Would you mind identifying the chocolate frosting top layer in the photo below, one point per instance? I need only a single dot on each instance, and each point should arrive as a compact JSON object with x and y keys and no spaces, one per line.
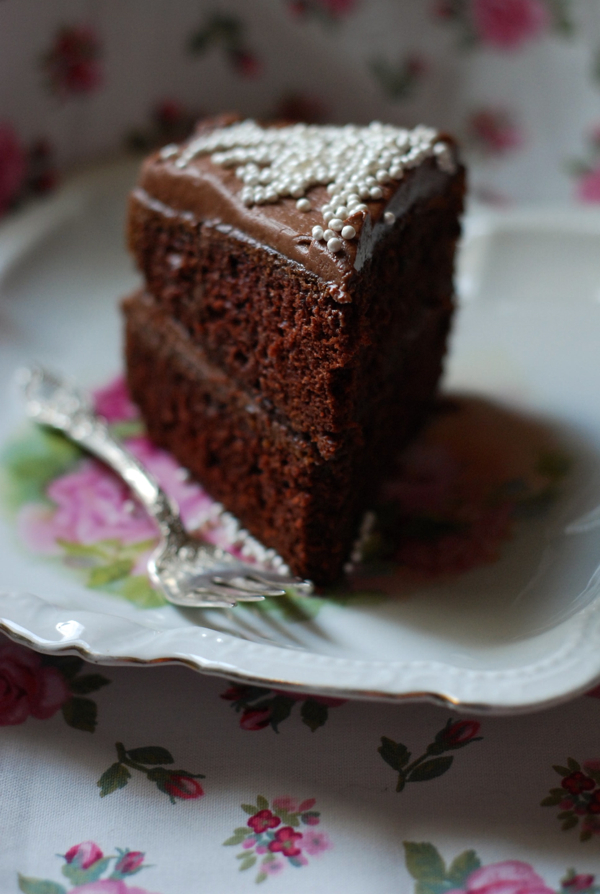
{"x":211,"y":193}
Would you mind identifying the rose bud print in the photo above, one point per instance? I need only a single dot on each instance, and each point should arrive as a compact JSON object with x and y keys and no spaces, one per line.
{"x":458,"y":734}
{"x":129,"y":863}
{"x":84,"y":855}
{"x":285,"y":842}
{"x":235,"y":693}
{"x":255,"y":720}
{"x":178,"y":785}
{"x":263,"y":820}
{"x":579,"y":882}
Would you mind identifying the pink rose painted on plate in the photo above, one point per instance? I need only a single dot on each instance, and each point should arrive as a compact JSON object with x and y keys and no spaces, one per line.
{"x":90,"y":505}
{"x":113,"y":402}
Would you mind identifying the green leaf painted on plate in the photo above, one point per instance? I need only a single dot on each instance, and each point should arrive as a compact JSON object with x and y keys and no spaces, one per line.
{"x":137,"y":590}
{"x":105,"y":574}
{"x":31,"y":461}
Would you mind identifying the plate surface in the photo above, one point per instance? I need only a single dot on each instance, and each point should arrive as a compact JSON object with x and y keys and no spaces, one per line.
{"x":520,"y":630}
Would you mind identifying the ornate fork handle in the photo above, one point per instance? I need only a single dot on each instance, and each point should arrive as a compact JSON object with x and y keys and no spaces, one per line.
{"x":52,"y":402}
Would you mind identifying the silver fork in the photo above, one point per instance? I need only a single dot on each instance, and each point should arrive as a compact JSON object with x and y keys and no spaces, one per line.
{"x":186,"y":571}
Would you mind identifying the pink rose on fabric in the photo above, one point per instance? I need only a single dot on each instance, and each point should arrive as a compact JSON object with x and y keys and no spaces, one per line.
{"x":588,"y":190}
{"x":290,"y":805}
{"x":507,"y":24}
{"x":113,"y":402}
{"x":91,"y":504}
{"x":72,"y":65}
{"x":508,"y":877}
{"x":285,"y":842}
{"x":316,"y":842}
{"x":493,"y":131}
{"x":274,"y":867}
{"x":13,"y":166}
{"x":263,"y":820}
{"x":28,"y":688}
{"x":84,"y":855}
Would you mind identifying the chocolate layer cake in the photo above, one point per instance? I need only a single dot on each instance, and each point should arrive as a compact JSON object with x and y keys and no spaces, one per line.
{"x":298,"y":297}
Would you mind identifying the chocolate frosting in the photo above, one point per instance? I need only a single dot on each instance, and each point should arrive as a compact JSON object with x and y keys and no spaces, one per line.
{"x":211,"y":194}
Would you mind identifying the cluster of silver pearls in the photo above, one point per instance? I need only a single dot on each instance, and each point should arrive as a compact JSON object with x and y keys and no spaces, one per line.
{"x":354,"y":163}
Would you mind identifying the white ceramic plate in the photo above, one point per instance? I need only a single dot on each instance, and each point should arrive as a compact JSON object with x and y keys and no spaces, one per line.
{"x":511,"y":634}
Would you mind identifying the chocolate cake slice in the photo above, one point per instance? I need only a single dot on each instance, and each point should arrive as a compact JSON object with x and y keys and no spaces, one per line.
{"x":298,"y":294}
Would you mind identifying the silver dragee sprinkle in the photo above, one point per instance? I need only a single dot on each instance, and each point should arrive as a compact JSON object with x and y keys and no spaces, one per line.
{"x":352,"y":162}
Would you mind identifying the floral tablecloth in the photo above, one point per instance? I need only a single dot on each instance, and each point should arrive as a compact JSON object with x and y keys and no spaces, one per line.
{"x":158,"y":780}
{"x":122,"y":780}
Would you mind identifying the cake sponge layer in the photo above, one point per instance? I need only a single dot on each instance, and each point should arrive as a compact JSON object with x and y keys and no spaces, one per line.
{"x":316,"y":350}
{"x":248,"y":456}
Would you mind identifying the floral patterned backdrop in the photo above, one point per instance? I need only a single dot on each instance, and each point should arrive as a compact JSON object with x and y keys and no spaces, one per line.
{"x":517,"y":80}
{"x":132,"y":781}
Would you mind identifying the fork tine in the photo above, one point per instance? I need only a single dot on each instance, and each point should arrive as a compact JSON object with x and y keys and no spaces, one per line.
{"x":230,"y":592}
{"x":268,"y":578}
{"x":248,"y":584}
{"x":201,"y":598}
